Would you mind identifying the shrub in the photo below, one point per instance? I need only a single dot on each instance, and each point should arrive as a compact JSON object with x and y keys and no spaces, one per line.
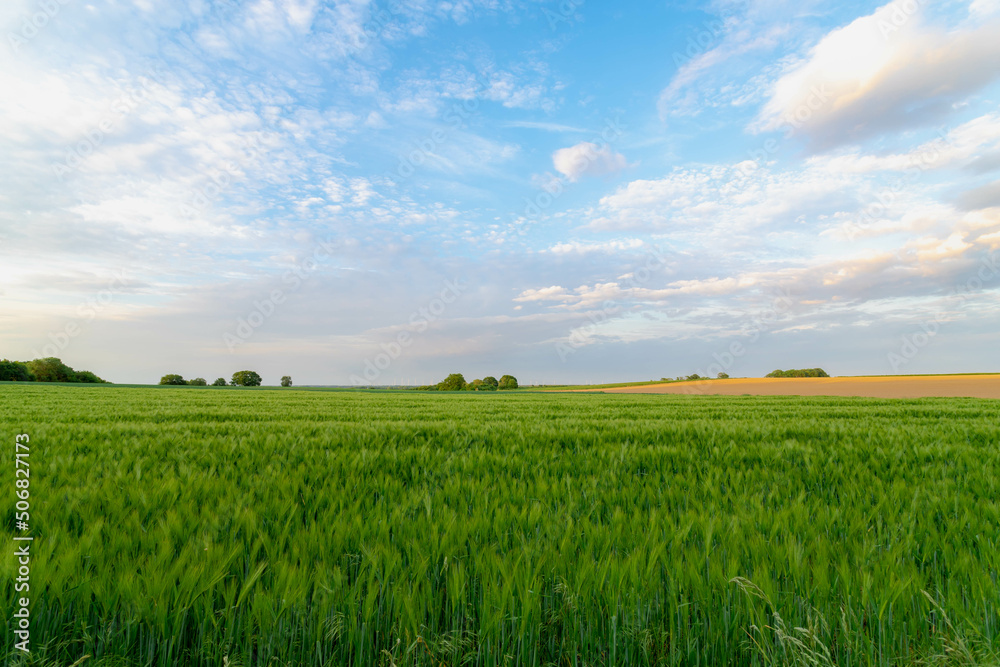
{"x":219,"y":382}
{"x":198,"y":382}
{"x":172,"y":379}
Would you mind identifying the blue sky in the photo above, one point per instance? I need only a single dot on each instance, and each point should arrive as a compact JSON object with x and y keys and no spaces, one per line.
{"x":565,"y":191}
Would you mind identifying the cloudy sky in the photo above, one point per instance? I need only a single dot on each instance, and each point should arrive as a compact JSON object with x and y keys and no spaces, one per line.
{"x":564,"y":191}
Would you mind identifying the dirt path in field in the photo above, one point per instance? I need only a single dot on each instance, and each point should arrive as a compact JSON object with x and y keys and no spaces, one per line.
{"x":976,"y":386}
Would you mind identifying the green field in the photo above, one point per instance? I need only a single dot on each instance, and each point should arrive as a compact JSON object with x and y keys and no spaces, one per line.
{"x":221,"y":527}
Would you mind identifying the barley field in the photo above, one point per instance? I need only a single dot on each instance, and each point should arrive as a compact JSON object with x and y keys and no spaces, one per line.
{"x":191,"y":526}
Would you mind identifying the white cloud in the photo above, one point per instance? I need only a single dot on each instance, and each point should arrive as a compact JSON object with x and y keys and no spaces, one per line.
{"x":958,"y":147}
{"x":576,"y":247}
{"x":984,"y":8}
{"x":929,"y":248}
{"x":724,"y":203}
{"x":882,"y":72}
{"x":587,"y":159}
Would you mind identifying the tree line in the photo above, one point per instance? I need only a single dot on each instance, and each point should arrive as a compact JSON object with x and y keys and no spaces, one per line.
{"x":799,"y":373}
{"x":456,"y":382}
{"x":239,"y":379}
{"x":49,"y":369}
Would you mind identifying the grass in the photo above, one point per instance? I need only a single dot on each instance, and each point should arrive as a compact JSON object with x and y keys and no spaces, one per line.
{"x":179,"y":527}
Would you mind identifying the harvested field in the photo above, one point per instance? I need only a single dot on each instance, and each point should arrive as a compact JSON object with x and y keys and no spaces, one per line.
{"x":916,"y":386}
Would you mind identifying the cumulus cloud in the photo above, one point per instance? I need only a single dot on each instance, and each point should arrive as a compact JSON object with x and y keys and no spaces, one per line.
{"x":882,"y":72}
{"x":587,"y":159}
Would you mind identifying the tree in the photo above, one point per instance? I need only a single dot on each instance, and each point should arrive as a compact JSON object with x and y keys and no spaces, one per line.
{"x":246,"y":379}
{"x":286,"y":381}
{"x":219,"y":382}
{"x":475,"y":385}
{"x":723,"y":376}
{"x":489,"y":383}
{"x":15,"y":371}
{"x":454,"y":382}
{"x":172,"y":379}
{"x":51,"y":369}
{"x":507,"y":382}
{"x":87,"y":376}
{"x":694,"y":376}
{"x":198,"y":382}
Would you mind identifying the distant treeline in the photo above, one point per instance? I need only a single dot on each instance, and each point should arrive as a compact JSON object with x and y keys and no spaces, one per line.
{"x":799,"y":373}
{"x":456,"y":382}
{"x":48,"y":369}
{"x":240,"y":379}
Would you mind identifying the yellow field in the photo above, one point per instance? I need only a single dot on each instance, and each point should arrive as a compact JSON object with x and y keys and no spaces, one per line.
{"x":975,"y":386}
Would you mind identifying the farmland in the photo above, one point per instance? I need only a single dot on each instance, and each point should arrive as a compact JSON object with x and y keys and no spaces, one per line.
{"x":207,"y":527}
{"x":888,"y":386}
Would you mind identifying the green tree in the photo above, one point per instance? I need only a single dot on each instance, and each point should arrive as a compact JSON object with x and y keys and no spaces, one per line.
{"x":219,"y":382}
{"x":286,"y":381}
{"x":723,"y":376}
{"x":87,"y":376}
{"x":454,"y":382}
{"x":489,"y":384}
{"x":51,"y":369}
{"x":475,"y":385}
{"x":172,"y":379}
{"x":246,"y":379}
{"x":198,"y":382}
{"x":507,"y":382}
{"x":15,"y":371}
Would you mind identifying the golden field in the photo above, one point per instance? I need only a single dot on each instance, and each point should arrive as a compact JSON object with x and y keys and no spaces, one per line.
{"x":915,"y":386}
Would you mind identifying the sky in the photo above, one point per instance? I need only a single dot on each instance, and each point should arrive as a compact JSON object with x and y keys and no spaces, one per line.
{"x":358,"y":192}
